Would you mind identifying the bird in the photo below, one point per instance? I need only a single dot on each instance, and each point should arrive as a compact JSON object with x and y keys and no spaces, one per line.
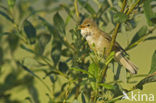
{"x":100,"y":43}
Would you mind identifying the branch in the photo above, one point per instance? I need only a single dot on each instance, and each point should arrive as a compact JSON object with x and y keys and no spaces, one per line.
{"x":116,"y":28}
{"x":133,"y":6}
{"x":116,"y":31}
{"x":113,"y":41}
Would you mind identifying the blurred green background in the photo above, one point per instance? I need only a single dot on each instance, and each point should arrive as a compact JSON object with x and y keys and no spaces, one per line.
{"x":18,"y":49}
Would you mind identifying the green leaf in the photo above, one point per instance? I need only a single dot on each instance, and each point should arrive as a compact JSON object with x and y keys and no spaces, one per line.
{"x":63,"y":67}
{"x":82,"y":70}
{"x":59,"y":23}
{"x":153,"y":64}
{"x":95,"y":71}
{"x":33,"y":74}
{"x":87,"y":6}
{"x":139,"y":34}
{"x":5,"y":33}
{"x":113,"y":9}
{"x":138,"y":37}
{"x":150,"y":38}
{"x":27,"y":49}
{"x":50,"y":27}
{"x":83,"y":98}
{"x":30,"y":31}
{"x":34,"y":93}
{"x":148,"y":79}
{"x":107,"y":86}
{"x":110,"y":58}
{"x":50,"y":99}
{"x":153,"y":20}
{"x":148,"y":11}
{"x":68,"y":11}
{"x":6,"y":16}
{"x":43,"y":40}
{"x":29,"y":99}
{"x":11,"y":3}
{"x":1,"y":56}
{"x":66,"y":52}
{"x":13,"y":41}
{"x":120,"y":17}
{"x":56,"y":51}
{"x":28,"y":70}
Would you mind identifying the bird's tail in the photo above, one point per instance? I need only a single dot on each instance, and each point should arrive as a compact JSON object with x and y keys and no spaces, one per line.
{"x":125,"y":62}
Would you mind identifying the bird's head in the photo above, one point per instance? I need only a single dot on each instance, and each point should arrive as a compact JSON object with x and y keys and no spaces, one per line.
{"x":87,"y":27}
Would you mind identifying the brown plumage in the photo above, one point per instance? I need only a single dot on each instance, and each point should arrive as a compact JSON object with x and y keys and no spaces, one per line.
{"x":100,"y":41}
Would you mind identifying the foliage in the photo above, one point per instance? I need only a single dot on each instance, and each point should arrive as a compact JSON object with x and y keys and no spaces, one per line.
{"x":61,"y":53}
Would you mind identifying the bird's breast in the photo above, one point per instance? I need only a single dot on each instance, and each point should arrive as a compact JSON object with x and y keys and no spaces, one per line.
{"x":85,"y":32}
{"x":98,"y":43}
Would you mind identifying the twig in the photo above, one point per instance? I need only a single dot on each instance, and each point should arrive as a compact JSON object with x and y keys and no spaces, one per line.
{"x":116,"y":30}
{"x":113,"y":40}
{"x":133,"y":6}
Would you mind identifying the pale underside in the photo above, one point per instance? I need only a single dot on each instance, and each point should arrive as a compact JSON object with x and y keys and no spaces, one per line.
{"x":100,"y":42}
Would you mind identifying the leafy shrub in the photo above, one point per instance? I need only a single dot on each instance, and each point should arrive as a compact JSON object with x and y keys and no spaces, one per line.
{"x":61,"y":53}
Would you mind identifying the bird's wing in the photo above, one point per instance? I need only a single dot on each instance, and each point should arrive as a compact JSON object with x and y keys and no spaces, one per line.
{"x":117,"y":46}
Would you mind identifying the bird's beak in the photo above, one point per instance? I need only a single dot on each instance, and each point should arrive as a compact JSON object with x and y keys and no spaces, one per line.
{"x":81,"y":27}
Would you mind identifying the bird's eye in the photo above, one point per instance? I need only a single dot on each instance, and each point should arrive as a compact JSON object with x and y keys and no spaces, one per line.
{"x":88,"y":25}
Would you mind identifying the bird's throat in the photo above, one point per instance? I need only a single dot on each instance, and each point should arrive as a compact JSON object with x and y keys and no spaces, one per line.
{"x":86,"y":33}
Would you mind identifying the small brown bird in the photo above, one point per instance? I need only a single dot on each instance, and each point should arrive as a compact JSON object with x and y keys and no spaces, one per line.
{"x":100,"y":41}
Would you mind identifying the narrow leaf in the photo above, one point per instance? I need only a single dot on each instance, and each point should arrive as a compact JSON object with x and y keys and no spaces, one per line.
{"x":50,"y":99}
{"x":27,"y":49}
{"x":150,"y":38}
{"x":148,"y":11}
{"x":87,"y":6}
{"x":107,"y":86}
{"x":6,"y":16}
{"x":138,"y":37}
{"x":30,"y":31}
{"x":120,"y":17}
{"x":84,"y":71}
{"x":50,"y":27}
{"x":83,"y":98}
{"x":153,"y":19}
{"x":63,"y":67}
{"x":139,"y":34}
{"x":1,"y":56}
{"x":56,"y":51}
{"x":33,"y":74}
{"x":153,"y":64}
{"x":148,"y":79}
{"x":13,"y":41}
{"x":43,"y":40}
{"x":94,"y":70}
{"x":110,"y":57}
{"x":34,"y":93}
{"x":28,"y":70}
{"x":59,"y":23}
{"x":5,"y":33}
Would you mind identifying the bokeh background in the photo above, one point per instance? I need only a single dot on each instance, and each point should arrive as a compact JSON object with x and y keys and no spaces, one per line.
{"x":18,"y":85}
